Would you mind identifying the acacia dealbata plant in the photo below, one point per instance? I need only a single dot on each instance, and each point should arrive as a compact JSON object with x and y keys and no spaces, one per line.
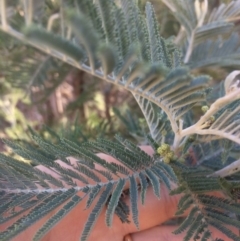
{"x":119,"y":43}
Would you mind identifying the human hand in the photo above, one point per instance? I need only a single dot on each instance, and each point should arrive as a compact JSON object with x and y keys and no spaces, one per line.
{"x":151,"y":216}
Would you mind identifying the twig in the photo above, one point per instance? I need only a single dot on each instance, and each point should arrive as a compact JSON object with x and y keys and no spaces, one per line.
{"x":51,"y":20}
{"x":199,"y":127}
{"x":228,"y":170}
{"x":3,"y":14}
{"x":28,"y":11}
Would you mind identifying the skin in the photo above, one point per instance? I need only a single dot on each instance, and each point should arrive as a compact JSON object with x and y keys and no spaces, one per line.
{"x":151,"y":216}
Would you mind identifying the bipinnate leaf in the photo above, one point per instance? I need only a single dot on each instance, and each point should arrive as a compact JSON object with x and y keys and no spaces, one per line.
{"x":55,"y":43}
{"x":187,"y":222}
{"x":154,"y":181}
{"x":134,"y":200}
{"x":114,"y":201}
{"x":93,"y":194}
{"x":144,"y":186}
{"x":96,"y":211}
{"x":57,"y":217}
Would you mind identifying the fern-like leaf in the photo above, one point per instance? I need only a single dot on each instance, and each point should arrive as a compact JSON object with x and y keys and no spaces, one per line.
{"x":154,"y":181}
{"x":41,"y":36}
{"x":187,"y":222}
{"x":134,"y":200}
{"x":114,"y":202}
{"x":57,"y":217}
{"x":144,"y":185}
{"x":38,"y":212}
{"x":96,"y":211}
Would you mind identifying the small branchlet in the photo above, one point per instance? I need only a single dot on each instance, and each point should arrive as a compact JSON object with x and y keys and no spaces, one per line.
{"x":208,"y":125}
{"x":231,"y":82}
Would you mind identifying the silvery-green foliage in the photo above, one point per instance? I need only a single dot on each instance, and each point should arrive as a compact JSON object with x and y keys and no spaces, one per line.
{"x":116,"y":42}
{"x":206,"y":36}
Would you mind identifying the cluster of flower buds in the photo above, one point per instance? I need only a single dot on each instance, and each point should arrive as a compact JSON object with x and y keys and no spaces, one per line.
{"x":165,"y":151}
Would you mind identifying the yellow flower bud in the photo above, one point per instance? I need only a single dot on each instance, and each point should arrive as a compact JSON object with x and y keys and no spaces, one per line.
{"x":165,"y":147}
{"x":170,"y":155}
{"x":212,"y":119}
{"x":159,"y":150}
{"x":205,"y":108}
{"x":166,"y":160}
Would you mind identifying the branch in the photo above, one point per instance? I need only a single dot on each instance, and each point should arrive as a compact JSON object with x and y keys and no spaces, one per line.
{"x":3,"y":12}
{"x":232,"y":90}
{"x":214,"y":108}
{"x":228,"y":170}
{"x":28,"y":11}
